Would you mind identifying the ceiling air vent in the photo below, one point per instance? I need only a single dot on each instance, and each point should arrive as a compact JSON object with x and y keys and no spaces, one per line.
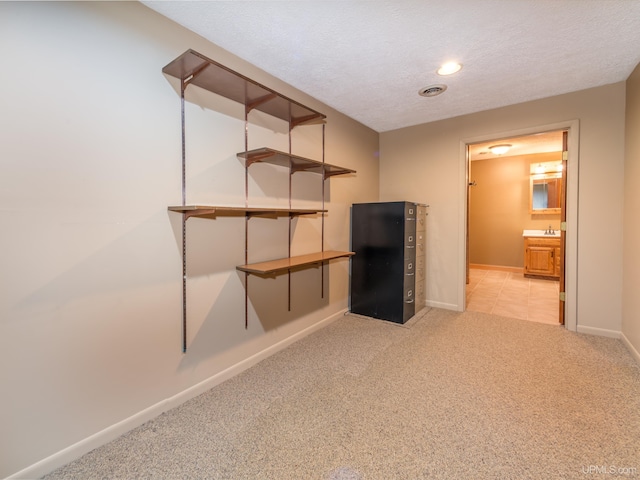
{"x":432,"y":90}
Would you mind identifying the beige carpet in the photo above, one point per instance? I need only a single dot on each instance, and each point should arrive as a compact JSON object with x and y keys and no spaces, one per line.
{"x":448,"y":395}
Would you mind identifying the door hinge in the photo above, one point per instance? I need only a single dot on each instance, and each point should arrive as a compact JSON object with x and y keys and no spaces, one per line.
{"x":563,"y":226}
{"x":563,"y":296}
{"x":565,"y":155}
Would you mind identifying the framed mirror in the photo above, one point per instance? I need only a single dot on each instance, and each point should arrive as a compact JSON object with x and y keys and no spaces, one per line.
{"x":545,"y":190}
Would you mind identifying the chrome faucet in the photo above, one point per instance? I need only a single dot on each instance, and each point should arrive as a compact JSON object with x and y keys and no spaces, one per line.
{"x":549,"y":231}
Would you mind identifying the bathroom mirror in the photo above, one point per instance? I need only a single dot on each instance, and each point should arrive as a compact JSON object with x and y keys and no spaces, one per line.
{"x":545,"y":193}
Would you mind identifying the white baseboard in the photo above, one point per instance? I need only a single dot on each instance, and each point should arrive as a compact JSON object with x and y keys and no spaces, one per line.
{"x":634,"y":353}
{"x":602,"y":332}
{"x":116,"y":430}
{"x":498,"y":268}
{"x":612,"y":334}
{"x":444,"y":306}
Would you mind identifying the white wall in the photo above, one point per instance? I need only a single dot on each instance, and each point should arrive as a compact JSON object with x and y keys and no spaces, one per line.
{"x":422,"y":163}
{"x":631,"y":280}
{"x":90,"y":301}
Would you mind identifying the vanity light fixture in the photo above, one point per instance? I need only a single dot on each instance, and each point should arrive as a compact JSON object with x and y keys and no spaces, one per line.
{"x":552,"y":168}
{"x":449,"y":68}
{"x":500,"y":149}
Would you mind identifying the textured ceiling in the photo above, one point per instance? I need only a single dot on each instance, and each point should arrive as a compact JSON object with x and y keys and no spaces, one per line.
{"x":368,"y":59}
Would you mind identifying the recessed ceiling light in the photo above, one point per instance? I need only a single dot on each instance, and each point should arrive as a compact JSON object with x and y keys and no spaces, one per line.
{"x":500,"y":149}
{"x":449,"y":68}
{"x":432,"y":90}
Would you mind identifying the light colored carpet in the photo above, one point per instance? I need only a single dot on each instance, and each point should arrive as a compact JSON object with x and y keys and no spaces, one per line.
{"x":448,"y":395}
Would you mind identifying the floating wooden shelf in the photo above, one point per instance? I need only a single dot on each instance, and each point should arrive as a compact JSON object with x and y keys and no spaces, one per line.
{"x":297,"y":164}
{"x":285,"y":264}
{"x":194,"y":68}
{"x":204,"y":210}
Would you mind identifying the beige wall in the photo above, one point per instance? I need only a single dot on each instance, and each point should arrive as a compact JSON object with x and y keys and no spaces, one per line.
{"x":499,"y":209}
{"x":90,"y":304}
{"x":91,"y":264}
{"x":631,"y":278}
{"x":423,"y":163}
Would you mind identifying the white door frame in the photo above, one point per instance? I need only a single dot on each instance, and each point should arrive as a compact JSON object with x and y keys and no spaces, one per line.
{"x":571,"y":252}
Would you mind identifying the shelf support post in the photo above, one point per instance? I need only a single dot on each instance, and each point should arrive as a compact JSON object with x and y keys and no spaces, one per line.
{"x":291,"y":126}
{"x":322,"y":221}
{"x":247,"y":109}
{"x":183,"y":85}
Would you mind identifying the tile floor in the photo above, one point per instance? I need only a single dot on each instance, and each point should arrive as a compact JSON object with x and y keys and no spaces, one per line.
{"x":513,"y":295}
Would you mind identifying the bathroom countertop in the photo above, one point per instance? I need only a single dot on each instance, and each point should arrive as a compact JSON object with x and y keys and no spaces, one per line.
{"x":540,"y":233}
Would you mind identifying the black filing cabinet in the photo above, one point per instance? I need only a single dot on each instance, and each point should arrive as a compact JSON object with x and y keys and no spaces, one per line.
{"x":383,"y":269}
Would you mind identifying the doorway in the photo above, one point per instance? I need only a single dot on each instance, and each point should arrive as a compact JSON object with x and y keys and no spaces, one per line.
{"x":502,"y":238}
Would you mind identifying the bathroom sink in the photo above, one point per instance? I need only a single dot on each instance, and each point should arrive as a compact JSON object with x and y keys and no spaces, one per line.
{"x":539,"y":233}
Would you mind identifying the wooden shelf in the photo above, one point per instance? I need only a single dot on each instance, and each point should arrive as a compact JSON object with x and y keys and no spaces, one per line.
{"x":285,"y":264}
{"x":204,"y":210}
{"x":193,"y":68}
{"x":297,"y":164}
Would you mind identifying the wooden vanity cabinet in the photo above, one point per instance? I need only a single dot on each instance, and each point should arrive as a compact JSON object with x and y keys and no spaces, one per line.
{"x":542,"y":257}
